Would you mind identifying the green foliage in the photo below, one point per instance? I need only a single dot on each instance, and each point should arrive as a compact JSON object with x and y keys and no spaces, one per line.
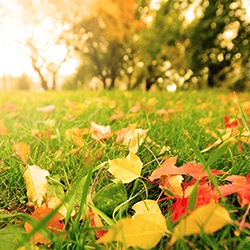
{"x":218,"y":43}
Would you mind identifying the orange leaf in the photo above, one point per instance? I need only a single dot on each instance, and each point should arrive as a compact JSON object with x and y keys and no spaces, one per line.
{"x":173,"y":184}
{"x":3,"y":129}
{"x":75,"y":134}
{"x":117,"y":116}
{"x":122,"y":132}
{"x":94,"y":219}
{"x":136,"y":108}
{"x":100,"y":132}
{"x":9,"y":107}
{"x":55,"y":225}
{"x":164,"y":169}
{"x":240,"y":185}
{"x":22,"y":150}
{"x":196,"y":170}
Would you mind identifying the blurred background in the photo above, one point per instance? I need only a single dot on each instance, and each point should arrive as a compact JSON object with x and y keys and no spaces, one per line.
{"x":125,"y":44}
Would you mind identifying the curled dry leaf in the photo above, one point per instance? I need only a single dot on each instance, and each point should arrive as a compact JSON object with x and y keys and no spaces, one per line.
{"x":36,"y":184}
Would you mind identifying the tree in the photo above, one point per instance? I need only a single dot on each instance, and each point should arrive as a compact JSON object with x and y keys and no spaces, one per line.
{"x":219,"y":41}
{"x":162,"y":43}
{"x":101,"y":34}
{"x":46,"y":51}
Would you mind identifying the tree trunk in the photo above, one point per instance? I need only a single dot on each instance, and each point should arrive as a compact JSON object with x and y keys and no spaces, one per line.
{"x":54,"y":74}
{"x":149,"y":83}
{"x":113,"y":77}
{"x":44,"y":83}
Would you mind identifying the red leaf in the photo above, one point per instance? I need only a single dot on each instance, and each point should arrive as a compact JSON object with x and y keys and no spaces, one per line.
{"x":205,"y":195}
{"x":240,"y":185}
{"x":196,"y":170}
{"x":230,"y":123}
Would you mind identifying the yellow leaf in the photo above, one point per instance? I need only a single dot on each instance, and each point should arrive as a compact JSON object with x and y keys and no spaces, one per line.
{"x":146,"y":206}
{"x":126,"y":169}
{"x":145,"y":229}
{"x":36,"y":184}
{"x":208,"y":219}
{"x":173,"y":184}
{"x":134,"y":138}
{"x":76,"y":135}
{"x":22,"y":150}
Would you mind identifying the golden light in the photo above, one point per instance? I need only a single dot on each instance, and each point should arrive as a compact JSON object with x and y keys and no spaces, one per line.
{"x":14,"y":59}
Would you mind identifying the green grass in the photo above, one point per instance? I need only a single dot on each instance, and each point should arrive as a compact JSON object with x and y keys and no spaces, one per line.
{"x":54,"y":154}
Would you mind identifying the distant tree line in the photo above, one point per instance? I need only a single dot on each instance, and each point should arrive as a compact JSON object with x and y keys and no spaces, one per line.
{"x":129,"y":42}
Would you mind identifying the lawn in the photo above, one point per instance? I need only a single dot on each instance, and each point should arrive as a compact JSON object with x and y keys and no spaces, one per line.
{"x":110,"y":156}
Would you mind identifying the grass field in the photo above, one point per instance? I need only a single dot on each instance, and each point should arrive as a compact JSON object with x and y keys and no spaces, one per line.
{"x":59,"y":135}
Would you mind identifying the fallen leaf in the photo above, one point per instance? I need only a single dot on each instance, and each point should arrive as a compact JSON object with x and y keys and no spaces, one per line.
{"x":36,"y":184}
{"x":165,"y":113}
{"x":116,"y":116}
{"x":145,"y":229}
{"x":100,"y":132}
{"x":195,"y":170}
{"x":240,"y":185}
{"x":46,"y":109}
{"x":208,"y":219}
{"x":126,"y":169}
{"x":134,"y":138}
{"x":205,"y":195}
{"x":217,"y":142}
{"x":135,"y":108}
{"x":164,"y":168}
{"x":76,"y":108}
{"x":22,"y":150}
{"x":76,"y":135}
{"x":94,"y":219}
{"x":3,"y":128}
{"x":122,"y":132}
{"x":172,"y":186}
{"x":55,"y":225}
{"x":230,"y":123}
{"x":43,"y":134}
{"x":9,"y":107}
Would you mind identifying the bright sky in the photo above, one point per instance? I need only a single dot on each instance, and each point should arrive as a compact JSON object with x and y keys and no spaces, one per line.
{"x":13,"y":60}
